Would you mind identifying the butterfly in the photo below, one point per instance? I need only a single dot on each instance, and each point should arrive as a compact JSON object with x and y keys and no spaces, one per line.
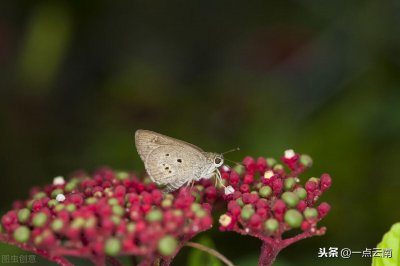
{"x":173,"y":162}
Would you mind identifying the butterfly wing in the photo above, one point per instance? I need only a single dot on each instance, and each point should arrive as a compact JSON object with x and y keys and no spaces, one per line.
{"x":169,"y":161}
{"x":146,"y":141}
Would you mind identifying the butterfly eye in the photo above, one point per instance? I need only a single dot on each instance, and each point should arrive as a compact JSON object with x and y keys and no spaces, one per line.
{"x":217,"y":161}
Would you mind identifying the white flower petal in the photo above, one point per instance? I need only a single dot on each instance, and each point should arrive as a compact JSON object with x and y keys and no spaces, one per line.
{"x":229,"y":190}
{"x":60,"y":198}
{"x":225,"y":168}
{"x":268,"y":174}
{"x":58,"y":180}
{"x":289,"y":154}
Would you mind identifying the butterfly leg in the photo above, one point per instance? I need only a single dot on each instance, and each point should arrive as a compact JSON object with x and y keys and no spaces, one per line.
{"x":219,"y":178}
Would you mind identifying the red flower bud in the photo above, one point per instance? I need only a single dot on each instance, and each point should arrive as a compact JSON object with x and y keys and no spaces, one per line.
{"x":323,"y":209}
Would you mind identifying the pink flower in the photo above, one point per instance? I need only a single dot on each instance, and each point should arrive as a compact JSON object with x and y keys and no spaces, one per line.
{"x":114,"y":213}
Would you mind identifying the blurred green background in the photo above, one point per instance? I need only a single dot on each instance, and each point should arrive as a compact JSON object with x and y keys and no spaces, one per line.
{"x":77,"y":78}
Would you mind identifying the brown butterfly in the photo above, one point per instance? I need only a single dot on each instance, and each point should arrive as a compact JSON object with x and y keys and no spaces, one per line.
{"x":173,"y":162}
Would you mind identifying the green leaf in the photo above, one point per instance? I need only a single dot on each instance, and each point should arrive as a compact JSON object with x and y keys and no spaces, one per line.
{"x":200,"y":258}
{"x":391,"y":240}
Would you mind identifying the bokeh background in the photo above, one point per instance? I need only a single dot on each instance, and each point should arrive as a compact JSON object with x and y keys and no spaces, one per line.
{"x":77,"y":78}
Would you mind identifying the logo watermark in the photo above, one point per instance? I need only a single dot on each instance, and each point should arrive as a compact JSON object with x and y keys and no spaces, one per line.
{"x":6,"y":258}
{"x":346,"y":253}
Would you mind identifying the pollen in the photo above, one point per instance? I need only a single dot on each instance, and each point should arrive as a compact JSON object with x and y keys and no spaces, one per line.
{"x":58,"y":180}
{"x":225,"y":220}
{"x":229,"y":190}
{"x":289,"y":154}
{"x":60,"y":198}
{"x":268,"y":174}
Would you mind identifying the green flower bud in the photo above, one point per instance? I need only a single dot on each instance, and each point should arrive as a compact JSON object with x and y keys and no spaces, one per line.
{"x":258,"y":186}
{"x":116,"y":219}
{"x":113,"y":201}
{"x":154,"y":216}
{"x":22,"y":234}
{"x":265,"y":191}
{"x":169,"y":196}
{"x":199,"y":188}
{"x":71,"y":207}
{"x":271,"y":225}
{"x":147,"y":180}
{"x":38,"y":240}
{"x":178,"y":212}
{"x":78,"y":222}
{"x":247,"y":212}
{"x":112,"y":247}
{"x":91,"y":222}
{"x":122,"y":175}
{"x":167,"y":245}
{"x":278,"y":167}
{"x":293,"y":218}
{"x":201,"y":213}
{"x":290,"y":183}
{"x":301,"y":192}
{"x":166,"y":203}
{"x":51,"y":203}
{"x":59,"y":207}
{"x":131,"y":227}
{"x":55,"y":192}
{"x":240,"y":202}
{"x":70,"y":186}
{"x":239,"y":169}
{"x":310,"y":213}
{"x":306,"y":160}
{"x":39,"y":219}
{"x":39,"y":195}
{"x":118,"y":210}
{"x":23,"y":215}
{"x":90,"y":200}
{"x":290,"y":198}
{"x":271,"y":162}
{"x":195,"y":207}
{"x":29,"y":204}
{"x":57,"y":225}
{"x":197,"y":196}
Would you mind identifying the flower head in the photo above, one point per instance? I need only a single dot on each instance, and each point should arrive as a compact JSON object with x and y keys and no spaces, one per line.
{"x":108,"y":213}
{"x":269,"y":200}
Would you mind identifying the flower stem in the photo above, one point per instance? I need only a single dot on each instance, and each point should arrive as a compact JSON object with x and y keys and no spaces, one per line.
{"x":268,"y":254}
{"x":114,"y":261}
{"x":210,"y":251}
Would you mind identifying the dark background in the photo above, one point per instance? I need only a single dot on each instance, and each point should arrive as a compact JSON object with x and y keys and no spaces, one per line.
{"x":77,"y":78}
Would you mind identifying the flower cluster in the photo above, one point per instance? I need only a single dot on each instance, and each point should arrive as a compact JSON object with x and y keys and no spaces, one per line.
{"x":107,"y":214}
{"x":113,"y":213}
{"x":268,"y":201}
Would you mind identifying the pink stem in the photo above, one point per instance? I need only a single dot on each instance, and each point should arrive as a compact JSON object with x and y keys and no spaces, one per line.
{"x":114,"y":261}
{"x":268,"y":254}
{"x":303,"y":235}
{"x":98,"y":261}
{"x":272,"y":246}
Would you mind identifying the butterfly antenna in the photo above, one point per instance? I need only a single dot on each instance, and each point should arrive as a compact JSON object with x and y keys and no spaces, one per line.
{"x":237,"y":163}
{"x":232,"y":150}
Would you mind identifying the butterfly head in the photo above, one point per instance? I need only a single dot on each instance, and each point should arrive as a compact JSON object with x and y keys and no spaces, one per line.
{"x":217,"y":159}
